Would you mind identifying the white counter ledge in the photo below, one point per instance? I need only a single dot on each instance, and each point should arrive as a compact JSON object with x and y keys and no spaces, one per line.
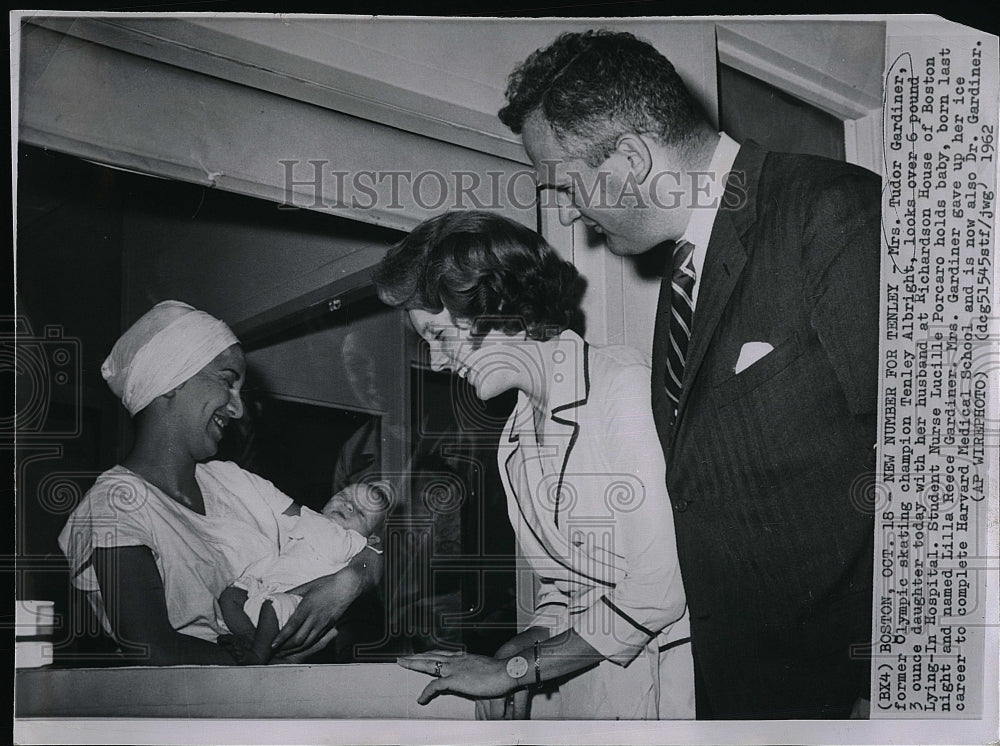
{"x":361,"y":690}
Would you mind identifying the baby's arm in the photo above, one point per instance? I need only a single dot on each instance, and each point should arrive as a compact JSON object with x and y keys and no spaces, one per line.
{"x":267,"y":630}
{"x":231,"y":604}
{"x":251,"y":646}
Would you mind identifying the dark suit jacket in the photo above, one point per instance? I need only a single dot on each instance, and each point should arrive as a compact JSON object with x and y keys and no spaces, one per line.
{"x":769,"y":470}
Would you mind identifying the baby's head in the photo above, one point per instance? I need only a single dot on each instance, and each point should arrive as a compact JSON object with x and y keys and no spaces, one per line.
{"x":362,"y":507}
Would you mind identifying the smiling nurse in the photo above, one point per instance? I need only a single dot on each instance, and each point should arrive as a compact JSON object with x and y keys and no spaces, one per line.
{"x":159,"y":537}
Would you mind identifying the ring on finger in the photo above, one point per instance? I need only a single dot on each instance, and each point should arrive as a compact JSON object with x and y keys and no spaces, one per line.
{"x":437,"y":668}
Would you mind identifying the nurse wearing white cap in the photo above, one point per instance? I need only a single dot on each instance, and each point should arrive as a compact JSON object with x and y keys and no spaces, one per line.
{"x":159,"y":536}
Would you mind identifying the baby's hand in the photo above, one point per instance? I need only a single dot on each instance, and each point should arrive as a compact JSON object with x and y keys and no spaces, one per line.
{"x":242,"y":649}
{"x":232,"y":597}
{"x":237,"y":646}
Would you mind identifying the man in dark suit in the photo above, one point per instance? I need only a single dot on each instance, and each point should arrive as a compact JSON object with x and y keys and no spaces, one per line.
{"x":765,"y":357}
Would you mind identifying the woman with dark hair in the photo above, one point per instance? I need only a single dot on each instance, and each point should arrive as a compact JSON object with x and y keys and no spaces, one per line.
{"x":581,"y":466}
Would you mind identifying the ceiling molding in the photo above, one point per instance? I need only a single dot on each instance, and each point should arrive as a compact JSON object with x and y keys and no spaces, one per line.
{"x":816,"y":87}
{"x":194,"y":47}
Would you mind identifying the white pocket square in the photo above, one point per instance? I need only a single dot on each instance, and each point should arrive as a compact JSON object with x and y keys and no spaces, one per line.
{"x":750,"y":354}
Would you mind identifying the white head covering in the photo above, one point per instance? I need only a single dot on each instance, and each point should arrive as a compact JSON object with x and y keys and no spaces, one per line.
{"x":163,"y":349}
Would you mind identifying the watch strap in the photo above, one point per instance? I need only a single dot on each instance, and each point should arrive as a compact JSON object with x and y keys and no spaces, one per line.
{"x":538,"y":666}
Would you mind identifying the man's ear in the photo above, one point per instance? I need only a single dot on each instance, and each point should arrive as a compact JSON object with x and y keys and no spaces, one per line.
{"x":636,"y":152}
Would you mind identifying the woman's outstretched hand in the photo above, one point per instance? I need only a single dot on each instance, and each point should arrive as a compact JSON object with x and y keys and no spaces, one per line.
{"x":460,"y":673}
{"x":511,"y":707}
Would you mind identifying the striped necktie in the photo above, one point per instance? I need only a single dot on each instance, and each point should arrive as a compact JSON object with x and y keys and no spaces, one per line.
{"x":681,"y":315}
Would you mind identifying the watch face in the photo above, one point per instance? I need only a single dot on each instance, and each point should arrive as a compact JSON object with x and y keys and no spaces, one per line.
{"x":517,"y":667}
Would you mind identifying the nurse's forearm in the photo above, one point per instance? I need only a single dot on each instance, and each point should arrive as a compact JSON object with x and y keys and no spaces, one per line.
{"x":136,"y":605}
{"x":367,"y":566}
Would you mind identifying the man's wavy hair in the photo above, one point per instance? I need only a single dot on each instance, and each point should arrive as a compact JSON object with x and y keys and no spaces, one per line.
{"x":594,"y":86}
{"x":486,"y":269}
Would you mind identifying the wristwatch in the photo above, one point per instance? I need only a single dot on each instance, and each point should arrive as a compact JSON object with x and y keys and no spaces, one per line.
{"x":517,"y":667}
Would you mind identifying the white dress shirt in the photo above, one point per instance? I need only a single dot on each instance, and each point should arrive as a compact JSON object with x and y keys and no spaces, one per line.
{"x":699,"y":227}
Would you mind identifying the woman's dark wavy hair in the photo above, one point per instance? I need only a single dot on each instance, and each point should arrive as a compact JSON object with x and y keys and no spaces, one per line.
{"x":485,"y":268}
{"x":594,"y":86}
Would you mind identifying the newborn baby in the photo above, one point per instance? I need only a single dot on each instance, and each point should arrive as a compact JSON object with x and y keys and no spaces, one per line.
{"x":312,"y":545}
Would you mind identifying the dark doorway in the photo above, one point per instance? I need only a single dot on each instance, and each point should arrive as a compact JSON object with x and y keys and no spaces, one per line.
{"x":750,"y":109}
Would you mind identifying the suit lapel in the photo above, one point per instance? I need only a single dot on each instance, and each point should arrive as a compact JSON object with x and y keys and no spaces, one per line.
{"x":564,"y":414}
{"x":518,"y":457}
{"x":724,"y":262}
{"x":567,"y":400}
{"x":521,"y":457}
{"x":564,"y":400}
{"x":510,"y":444}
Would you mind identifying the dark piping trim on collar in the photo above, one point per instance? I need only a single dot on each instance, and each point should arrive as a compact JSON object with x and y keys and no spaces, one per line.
{"x":574,"y":425}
